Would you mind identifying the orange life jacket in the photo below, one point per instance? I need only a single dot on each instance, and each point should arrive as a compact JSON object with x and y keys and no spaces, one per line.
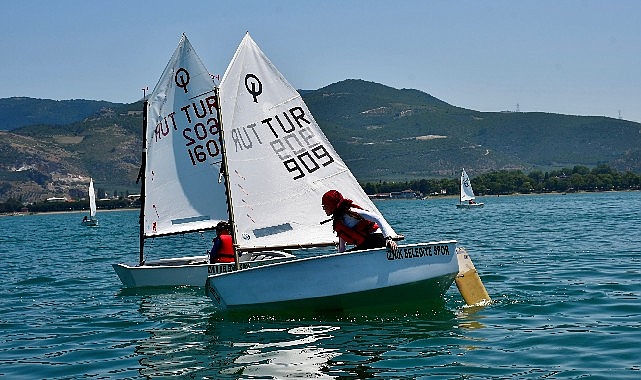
{"x":226,"y":252}
{"x":357,"y":234}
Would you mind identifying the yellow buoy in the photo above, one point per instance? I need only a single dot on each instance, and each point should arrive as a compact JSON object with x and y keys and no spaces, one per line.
{"x":468,"y":281}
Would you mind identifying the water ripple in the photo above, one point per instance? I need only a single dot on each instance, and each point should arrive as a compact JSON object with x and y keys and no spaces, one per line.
{"x":562,"y":270}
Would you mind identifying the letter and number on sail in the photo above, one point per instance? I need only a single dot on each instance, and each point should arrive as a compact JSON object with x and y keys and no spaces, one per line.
{"x":183,"y":150}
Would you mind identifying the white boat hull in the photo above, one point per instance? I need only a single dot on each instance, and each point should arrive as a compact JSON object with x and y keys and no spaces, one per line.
{"x":90,"y":222}
{"x":467,"y":205}
{"x":187,"y":271}
{"x":376,"y":277}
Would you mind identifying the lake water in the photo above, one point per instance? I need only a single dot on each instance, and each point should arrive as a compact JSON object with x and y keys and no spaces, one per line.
{"x":564,"y":272}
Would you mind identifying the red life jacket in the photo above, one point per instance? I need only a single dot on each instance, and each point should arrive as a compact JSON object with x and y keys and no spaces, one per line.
{"x":226,"y":252}
{"x":357,"y":234}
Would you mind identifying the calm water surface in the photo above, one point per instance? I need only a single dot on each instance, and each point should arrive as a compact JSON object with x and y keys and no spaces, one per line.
{"x":563,"y":271}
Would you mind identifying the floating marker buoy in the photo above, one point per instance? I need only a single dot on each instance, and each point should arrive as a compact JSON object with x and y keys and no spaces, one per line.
{"x":468,"y":281}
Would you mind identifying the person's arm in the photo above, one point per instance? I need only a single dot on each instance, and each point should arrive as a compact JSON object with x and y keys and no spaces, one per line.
{"x":386,"y":229}
{"x":215,"y":247}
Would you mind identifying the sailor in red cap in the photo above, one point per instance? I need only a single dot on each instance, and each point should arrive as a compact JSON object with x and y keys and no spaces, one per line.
{"x":356,"y":226}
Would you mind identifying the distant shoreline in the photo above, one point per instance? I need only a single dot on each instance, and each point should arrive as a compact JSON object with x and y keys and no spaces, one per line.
{"x":66,"y":212}
{"x":429,"y":197}
{"x":513,"y":195}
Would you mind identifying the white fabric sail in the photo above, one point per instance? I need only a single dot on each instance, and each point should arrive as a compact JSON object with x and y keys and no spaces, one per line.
{"x":182,"y":191}
{"x":92,"y":200}
{"x":279,"y":161}
{"x":466,"y":187}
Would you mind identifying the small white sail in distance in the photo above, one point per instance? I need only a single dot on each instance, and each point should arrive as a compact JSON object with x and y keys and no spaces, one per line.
{"x":466,"y":188}
{"x":92,"y":200}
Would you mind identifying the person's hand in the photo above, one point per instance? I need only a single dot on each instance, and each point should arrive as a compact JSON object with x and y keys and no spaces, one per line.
{"x":391,"y":244}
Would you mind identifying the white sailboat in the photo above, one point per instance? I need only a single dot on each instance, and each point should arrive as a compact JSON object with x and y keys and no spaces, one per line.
{"x":466,"y":199}
{"x":91,"y":219}
{"x":181,"y":164}
{"x":280,"y":164}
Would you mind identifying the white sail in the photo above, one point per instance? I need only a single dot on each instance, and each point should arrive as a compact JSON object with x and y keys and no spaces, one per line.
{"x":466,"y":188}
{"x":182,"y":191}
{"x":92,"y":200}
{"x":280,"y":163}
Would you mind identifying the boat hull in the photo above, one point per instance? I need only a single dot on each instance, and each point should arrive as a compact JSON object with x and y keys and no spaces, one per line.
{"x":363,"y":279}
{"x":466,"y":205}
{"x":187,"y":271}
{"x":90,"y":223}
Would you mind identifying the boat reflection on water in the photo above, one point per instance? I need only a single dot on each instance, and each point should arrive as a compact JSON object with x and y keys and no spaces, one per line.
{"x":285,"y":352}
{"x":188,"y":337}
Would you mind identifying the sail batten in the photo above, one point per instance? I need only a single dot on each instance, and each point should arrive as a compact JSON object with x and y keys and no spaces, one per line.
{"x":181,"y":232}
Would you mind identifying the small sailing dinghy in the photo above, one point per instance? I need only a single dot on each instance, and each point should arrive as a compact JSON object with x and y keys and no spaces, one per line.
{"x":466,"y":199}
{"x":279,"y":164}
{"x":181,"y":165}
{"x":91,"y":220}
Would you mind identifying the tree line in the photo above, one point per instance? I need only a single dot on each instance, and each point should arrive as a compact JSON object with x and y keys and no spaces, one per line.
{"x":504,"y":182}
{"x":13,"y":205}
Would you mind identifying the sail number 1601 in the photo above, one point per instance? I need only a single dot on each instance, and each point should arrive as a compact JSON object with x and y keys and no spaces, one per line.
{"x":202,"y":140}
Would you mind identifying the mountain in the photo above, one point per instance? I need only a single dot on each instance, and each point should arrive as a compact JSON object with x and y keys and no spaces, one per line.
{"x":385,"y":133}
{"x":41,"y":161}
{"x":18,"y":112}
{"x":381,"y":133}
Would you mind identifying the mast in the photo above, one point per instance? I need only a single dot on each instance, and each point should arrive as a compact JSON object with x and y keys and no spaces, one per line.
{"x":460,"y":190}
{"x":225,"y":173}
{"x":141,"y":176}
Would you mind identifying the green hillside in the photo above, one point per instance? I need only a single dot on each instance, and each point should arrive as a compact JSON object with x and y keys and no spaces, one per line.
{"x":411,"y":134}
{"x":382,"y":133}
{"x":18,"y":112}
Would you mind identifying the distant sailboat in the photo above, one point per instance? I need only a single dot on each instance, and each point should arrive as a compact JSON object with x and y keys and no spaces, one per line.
{"x":91,"y":219}
{"x":467,"y":197}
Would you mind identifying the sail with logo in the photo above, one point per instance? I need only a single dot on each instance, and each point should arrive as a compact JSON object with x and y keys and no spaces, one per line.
{"x":280,"y":164}
{"x":467,"y":198}
{"x":182,"y":190}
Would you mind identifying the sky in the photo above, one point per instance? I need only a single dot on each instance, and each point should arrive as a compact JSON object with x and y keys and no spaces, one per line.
{"x":575,"y":57}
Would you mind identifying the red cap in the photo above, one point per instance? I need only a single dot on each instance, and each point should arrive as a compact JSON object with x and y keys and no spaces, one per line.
{"x":331,"y":200}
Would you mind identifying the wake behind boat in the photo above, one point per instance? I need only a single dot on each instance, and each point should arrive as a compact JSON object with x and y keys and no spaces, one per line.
{"x":181,"y":165}
{"x":278,"y":164}
{"x":466,"y":199}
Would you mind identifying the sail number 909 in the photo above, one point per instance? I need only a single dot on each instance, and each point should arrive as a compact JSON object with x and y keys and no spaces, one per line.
{"x":310,"y":161}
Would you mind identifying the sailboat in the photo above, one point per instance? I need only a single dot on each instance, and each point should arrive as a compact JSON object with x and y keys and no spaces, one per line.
{"x":91,"y":220}
{"x":182,"y":191}
{"x":466,"y":199}
{"x":278,"y":165}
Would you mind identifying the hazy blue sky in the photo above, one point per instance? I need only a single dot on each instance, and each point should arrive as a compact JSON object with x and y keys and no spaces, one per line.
{"x":579,"y":57}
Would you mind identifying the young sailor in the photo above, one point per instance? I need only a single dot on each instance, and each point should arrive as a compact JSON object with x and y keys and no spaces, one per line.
{"x":223,"y":249}
{"x":356,"y":226}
